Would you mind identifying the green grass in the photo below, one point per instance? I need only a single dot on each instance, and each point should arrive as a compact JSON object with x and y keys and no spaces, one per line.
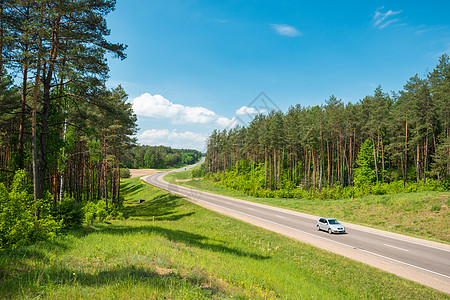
{"x":188,"y":252}
{"x":423,"y":214}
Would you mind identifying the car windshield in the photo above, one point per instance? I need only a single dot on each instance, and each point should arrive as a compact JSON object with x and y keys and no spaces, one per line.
{"x":333,"y":221}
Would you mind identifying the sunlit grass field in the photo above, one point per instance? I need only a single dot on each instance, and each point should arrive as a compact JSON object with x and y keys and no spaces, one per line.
{"x":188,"y":252}
{"x":425,"y":214}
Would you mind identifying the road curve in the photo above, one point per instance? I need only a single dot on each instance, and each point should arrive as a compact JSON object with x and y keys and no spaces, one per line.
{"x":419,"y":260}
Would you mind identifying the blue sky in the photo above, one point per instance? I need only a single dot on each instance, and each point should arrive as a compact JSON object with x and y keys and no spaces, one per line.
{"x":196,"y":66}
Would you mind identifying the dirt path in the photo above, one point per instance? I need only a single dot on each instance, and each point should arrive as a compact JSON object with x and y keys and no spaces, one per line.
{"x":142,"y":172}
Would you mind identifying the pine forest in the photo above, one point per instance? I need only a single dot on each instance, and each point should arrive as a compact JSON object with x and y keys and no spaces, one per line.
{"x":381,"y":144}
{"x":62,"y":131}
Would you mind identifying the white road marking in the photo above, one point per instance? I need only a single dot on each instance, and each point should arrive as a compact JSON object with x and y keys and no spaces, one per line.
{"x":289,"y":227}
{"x":320,"y":237}
{"x":402,"y":262}
{"x":280,"y":216}
{"x":396,"y":247}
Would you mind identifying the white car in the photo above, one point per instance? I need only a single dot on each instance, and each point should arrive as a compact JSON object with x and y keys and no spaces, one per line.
{"x":331,"y":225}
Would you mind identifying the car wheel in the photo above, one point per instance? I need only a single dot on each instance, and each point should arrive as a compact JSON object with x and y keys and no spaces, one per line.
{"x":318,"y":228}
{"x":329,"y":230}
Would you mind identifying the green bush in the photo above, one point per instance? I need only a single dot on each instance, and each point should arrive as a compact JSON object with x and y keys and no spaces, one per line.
{"x":90,"y":212}
{"x":102,"y":213}
{"x":115,"y":211}
{"x":379,"y":189}
{"x":70,"y":213}
{"x":97,"y":212}
{"x":125,"y":173}
{"x":199,"y":171}
{"x":18,"y":222}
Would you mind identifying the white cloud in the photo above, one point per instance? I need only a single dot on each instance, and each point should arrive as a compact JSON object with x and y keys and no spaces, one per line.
{"x":226,"y":123}
{"x":157,"y":106}
{"x":154,"y":134}
{"x":245,"y":110}
{"x":197,"y":115}
{"x":382,"y":20}
{"x":173,"y":138}
{"x":286,"y":30}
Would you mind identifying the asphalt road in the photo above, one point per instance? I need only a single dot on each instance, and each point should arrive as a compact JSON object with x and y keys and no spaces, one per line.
{"x":418,"y":260}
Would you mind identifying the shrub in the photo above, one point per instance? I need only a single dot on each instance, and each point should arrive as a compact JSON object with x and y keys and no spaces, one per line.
{"x":90,"y":212}
{"x":70,"y":213}
{"x":115,"y":211}
{"x":97,"y":212}
{"x":198,"y":172}
{"x":102,"y":213}
{"x":18,"y":224}
{"x":125,"y":173}
{"x":379,"y":189}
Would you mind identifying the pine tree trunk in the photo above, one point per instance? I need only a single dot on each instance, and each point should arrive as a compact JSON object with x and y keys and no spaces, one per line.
{"x":350,"y":163}
{"x":274,"y":169}
{"x":405,"y":177}
{"x":309,"y":170}
{"x":37,"y":189}
{"x":329,"y":164}
{"x":382,"y":156}
{"x":313,"y":172}
{"x":22,"y":115}
{"x":265,"y":168}
{"x":375,"y":158}
{"x":418,"y":161}
{"x":253,"y":174}
{"x":425,"y":159}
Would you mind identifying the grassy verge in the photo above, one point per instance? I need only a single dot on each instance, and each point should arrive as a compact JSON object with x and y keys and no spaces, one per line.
{"x":188,"y":252}
{"x":423,"y":214}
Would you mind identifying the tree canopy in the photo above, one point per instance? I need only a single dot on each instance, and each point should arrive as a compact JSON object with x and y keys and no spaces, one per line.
{"x":380,"y":139}
{"x":59,"y":122}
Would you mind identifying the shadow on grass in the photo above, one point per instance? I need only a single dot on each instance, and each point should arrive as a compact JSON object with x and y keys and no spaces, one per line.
{"x":155,"y":279}
{"x":130,"y":187}
{"x":186,"y":238}
{"x":162,"y":207}
{"x":18,"y":273}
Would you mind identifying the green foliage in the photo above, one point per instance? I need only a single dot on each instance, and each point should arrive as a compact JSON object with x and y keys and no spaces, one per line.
{"x":101,"y":211}
{"x":189,"y":252}
{"x":70,"y":213}
{"x":365,"y":172}
{"x":239,"y":179}
{"x":159,"y":157}
{"x":98,"y":212}
{"x":199,"y":171}
{"x":115,"y":211}
{"x":90,"y":212}
{"x":125,"y":173}
{"x":18,"y":222}
{"x":328,"y":149}
{"x":94,"y":147}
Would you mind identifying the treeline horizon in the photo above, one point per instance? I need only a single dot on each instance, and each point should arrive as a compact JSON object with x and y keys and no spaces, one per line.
{"x":406,"y":137}
{"x":62,"y":130}
{"x":158,"y":157}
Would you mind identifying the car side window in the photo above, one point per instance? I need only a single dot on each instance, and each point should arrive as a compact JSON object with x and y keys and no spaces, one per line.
{"x":322,"y":220}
